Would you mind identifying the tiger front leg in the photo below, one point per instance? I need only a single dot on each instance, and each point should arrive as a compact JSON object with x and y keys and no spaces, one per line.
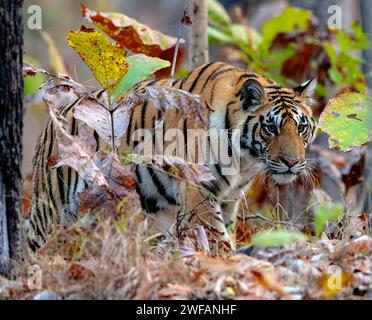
{"x":200,"y":223}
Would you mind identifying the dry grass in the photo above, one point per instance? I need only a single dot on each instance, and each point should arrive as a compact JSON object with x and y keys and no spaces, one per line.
{"x":113,"y":258}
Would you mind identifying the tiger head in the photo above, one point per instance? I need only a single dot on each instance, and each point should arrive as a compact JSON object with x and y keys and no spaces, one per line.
{"x":279,"y":126}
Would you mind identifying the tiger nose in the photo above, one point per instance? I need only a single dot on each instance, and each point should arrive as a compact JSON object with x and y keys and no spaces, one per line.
{"x":289,"y":162}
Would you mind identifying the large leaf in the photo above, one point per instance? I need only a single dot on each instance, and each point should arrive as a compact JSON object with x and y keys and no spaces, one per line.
{"x":217,"y":14}
{"x":290,"y":19}
{"x":105,"y":60}
{"x":133,"y":35}
{"x":277,"y":238}
{"x":347,"y":119}
{"x":139,"y":68}
{"x":97,"y":116}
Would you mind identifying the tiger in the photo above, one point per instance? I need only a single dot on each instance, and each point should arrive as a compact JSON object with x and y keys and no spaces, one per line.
{"x":270,"y":125}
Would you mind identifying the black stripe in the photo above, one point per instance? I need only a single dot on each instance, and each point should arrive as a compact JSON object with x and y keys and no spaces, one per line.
{"x":247,"y":75}
{"x":182,"y":82}
{"x":153,"y":130}
{"x":227,"y":126}
{"x":152,"y":82}
{"x":160,"y":187}
{"x":100,"y":93}
{"x":96,"y":137}
{"x":245,"y":129}
{"x":176,"y":82}
{"x":218,"y":169}
{"x":129,"y":127}
{"x":186,"y":79}
{"x":61,"y":187}
{"x":273,"y":87}
{"x":222,"y":72}
{"x":211,"y":186}
{"x":215,"y":74}
{"x":198,"y":76}
{"x":35,"y":225}
{"x":185,"y":135}
{"x":209,"y":77}
{"x":50,"y":172}
{"x":143,"y":114}
{"x":135,"y":138}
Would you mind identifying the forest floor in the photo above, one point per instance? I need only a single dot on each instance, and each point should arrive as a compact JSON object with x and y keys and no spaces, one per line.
{"x":114,"y":261}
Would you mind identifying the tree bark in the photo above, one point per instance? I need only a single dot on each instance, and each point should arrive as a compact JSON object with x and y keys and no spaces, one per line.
{"x":198,"y":48}
{"x":11,"y":97}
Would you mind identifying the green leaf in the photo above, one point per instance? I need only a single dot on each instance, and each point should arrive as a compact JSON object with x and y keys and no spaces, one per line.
{"x":218,"y":36}
{"x":277,"y":238}
{"x":139,"y":68}
{"x":330,"y":52}
{"x":327,"y":211}
{"x":347,"y":119}
{"x":217,"y":14}
{"x":290,"y":19}
{"x":32,"y":84}
{"x":360,"y":38}
{"x":344,"y":41}
{"x":335,"y":76}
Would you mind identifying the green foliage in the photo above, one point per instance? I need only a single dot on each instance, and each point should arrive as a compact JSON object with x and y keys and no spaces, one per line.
{"x":344,"y":66}
{"x":277,"y":238}
{"x":139,"y":68}
{"x":255,"y":47}
{"x":267,"y":53}
{"x":218,"y":15}
{"x":347,"y":119}
{"x":327,"y":211}
{"x":290,"y":19}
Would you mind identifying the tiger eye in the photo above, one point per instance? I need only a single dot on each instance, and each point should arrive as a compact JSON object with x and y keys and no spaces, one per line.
{"x":271,"y":128}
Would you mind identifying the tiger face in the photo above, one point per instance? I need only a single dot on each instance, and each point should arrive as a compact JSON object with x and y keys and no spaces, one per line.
{"x":280,"y":128}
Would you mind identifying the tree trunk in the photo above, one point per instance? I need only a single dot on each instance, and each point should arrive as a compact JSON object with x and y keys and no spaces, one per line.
{"x":198,"y":48}
{"x":11,"y":97}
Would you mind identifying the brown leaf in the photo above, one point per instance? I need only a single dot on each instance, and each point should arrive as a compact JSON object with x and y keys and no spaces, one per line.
{"x":97,"y":116}
{"x":133,"y":35}
{"x":165,"y":98}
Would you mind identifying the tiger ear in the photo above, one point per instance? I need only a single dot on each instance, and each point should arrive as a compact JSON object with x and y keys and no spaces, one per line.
{"x":251,"y":95}
{"x":306,"y":89}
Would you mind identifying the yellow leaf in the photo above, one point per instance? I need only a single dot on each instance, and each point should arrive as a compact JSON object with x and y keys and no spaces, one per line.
{"x":105,"y":60}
